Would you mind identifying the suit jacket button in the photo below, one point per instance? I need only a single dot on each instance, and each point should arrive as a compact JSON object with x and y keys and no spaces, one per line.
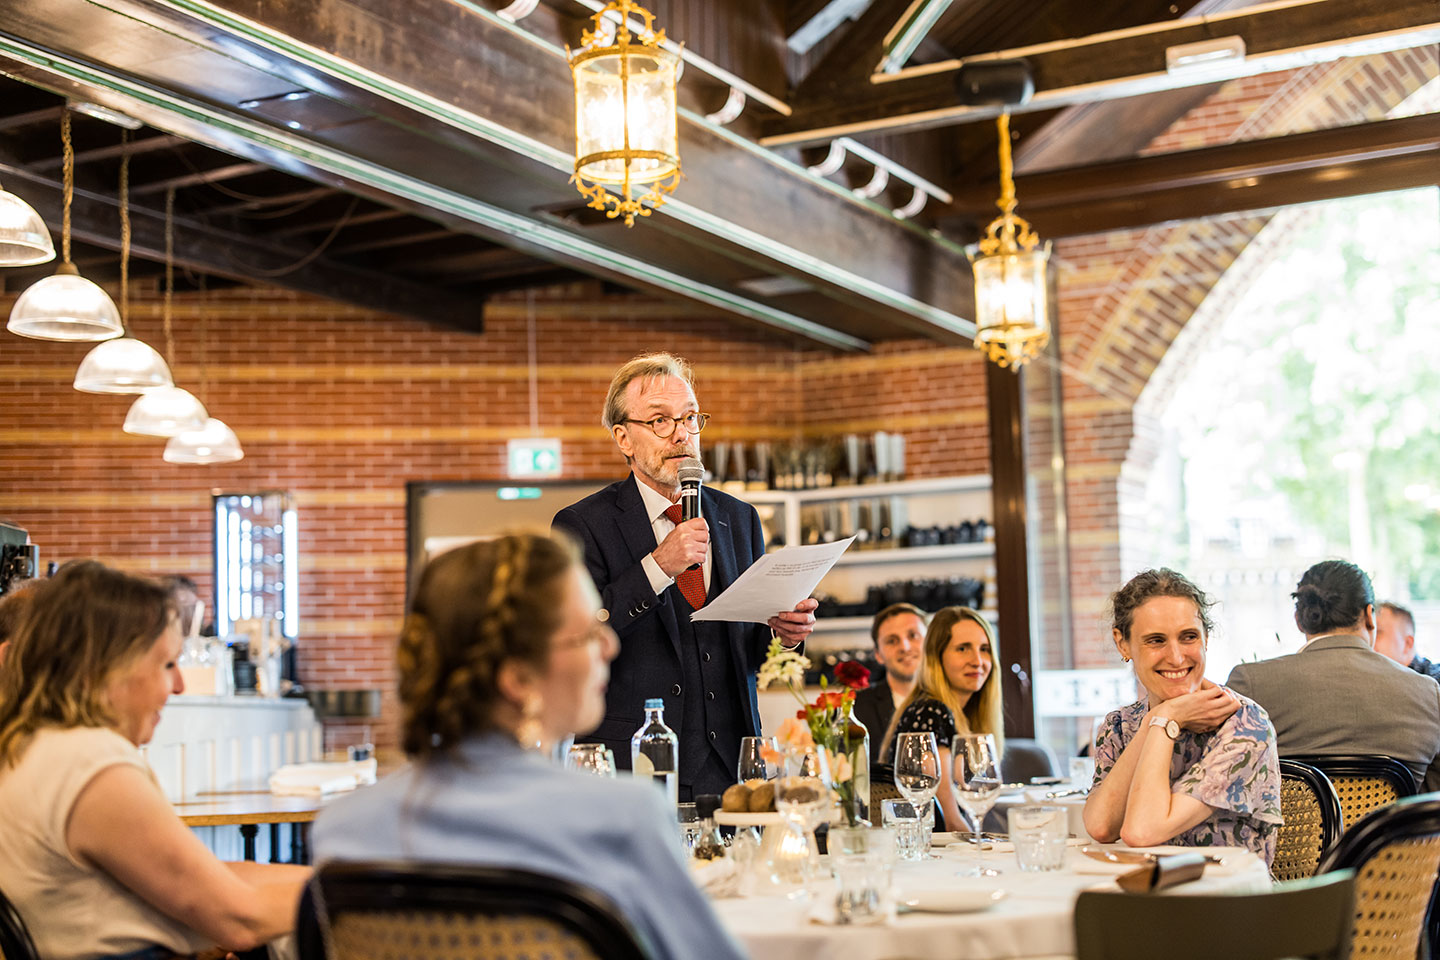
{"x":645,"y":605}
{"x":710,"y":695}
{"x":707,"y":658}
{"x":675,"y":690}
{"x":712,"y":734}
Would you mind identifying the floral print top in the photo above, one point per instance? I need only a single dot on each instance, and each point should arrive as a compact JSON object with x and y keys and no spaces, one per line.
{"x":1234,"y":769}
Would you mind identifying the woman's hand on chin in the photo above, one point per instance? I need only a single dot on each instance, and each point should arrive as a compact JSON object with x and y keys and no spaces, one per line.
{"x":1204,"y":710}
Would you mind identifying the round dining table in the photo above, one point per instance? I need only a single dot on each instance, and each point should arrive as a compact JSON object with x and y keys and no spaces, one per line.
{"x":1033,"y":919}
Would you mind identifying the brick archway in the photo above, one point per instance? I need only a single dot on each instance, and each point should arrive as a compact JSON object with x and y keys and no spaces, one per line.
{"x":1128,"y":300}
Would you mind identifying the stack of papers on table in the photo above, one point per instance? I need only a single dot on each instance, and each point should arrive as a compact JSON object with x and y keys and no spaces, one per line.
{"x":319,"y":779}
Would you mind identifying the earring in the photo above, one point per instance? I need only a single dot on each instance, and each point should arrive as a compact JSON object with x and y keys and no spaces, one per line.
{"x":528,"y":731}
{"x":1125,"y":658}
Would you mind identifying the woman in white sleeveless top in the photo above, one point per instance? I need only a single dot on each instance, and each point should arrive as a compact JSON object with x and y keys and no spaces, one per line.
{"x":91,"y":853}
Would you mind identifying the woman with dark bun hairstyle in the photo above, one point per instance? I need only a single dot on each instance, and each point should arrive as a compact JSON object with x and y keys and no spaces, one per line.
{"x":1337,"y":696}
{"x":505,"y":652}
{"x":1189,"y":763}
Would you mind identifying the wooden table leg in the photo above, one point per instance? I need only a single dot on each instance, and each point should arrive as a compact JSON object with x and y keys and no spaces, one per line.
{"x":248,"y":832}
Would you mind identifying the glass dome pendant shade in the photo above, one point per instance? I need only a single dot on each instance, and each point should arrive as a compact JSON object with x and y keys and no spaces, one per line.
{"x":67,"y":307}
{"x":24,"y":238}
{"x":165,"y":412}
{"x":126,"y":365}
{"x":213,"y":443}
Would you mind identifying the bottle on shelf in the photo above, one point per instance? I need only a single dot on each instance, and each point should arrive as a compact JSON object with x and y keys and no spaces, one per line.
{"x":655,"y":749}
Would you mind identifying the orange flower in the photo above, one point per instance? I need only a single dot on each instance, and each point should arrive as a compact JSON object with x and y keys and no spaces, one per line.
{"x":795,"y":734}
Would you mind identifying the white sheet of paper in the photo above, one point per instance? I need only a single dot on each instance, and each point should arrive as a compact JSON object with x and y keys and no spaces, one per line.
{"x":774,"y":583}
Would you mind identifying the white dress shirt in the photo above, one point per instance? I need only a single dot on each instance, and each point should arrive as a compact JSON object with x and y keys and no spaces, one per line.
{"x":656,"y":503}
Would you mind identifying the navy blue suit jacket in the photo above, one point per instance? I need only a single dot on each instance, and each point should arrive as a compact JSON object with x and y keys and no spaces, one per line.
{"x":616,"y":534}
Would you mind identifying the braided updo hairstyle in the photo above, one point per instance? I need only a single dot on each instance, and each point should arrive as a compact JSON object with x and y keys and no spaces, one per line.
{"x":1148,"y":584}
{"x":1332,"y":595}
{"x":475,"y":608}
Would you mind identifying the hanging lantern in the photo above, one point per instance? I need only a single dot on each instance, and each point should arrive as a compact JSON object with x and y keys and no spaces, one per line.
{"x":166,"y":412}
{"x":24,"y":238}
{"x":626,"y":132}
{"x":1012,"y":308}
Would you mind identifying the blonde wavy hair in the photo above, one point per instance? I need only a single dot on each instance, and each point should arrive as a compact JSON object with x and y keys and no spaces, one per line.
{"x":83,"y":626}
{"x":475,"y":608}
{"x":984,"y":712}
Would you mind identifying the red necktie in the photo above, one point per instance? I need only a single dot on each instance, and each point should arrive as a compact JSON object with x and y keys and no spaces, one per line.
{"x":691,"y":581}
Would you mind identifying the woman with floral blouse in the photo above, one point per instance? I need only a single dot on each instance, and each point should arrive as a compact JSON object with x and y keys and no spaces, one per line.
{"x":1189,"y":763}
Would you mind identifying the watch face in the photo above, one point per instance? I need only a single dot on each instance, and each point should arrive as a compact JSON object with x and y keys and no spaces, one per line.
{"x":1172,"y":729}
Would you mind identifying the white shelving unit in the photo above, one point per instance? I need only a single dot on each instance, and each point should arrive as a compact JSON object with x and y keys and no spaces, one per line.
{"x":943,"y":501}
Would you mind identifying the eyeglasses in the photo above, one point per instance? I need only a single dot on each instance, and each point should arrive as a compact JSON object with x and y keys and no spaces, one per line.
{"x":665,"y":426}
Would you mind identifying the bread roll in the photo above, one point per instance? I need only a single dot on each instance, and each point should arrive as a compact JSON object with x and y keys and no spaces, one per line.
{"x":762,"y":798}
{"x":736,"y":799}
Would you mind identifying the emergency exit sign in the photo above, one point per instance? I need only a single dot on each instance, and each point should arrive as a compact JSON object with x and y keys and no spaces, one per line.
{"x":533,"y":459}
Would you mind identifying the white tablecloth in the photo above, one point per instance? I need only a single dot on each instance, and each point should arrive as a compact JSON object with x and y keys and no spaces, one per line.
{"x":1074,"y":807}
{"x":1034,"y":920}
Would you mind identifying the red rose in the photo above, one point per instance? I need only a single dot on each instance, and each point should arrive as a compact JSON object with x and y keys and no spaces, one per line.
{"x":800,"y":714}
{"x":853,"y":674}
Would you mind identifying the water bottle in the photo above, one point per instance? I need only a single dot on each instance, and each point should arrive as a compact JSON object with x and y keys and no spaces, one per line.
{"x":654,"y":749}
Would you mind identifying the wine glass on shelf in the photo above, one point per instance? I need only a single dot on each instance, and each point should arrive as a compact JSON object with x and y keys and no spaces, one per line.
{"x":917,"y":773}
{"x":802,"y":797}
{"x":975,"y":768}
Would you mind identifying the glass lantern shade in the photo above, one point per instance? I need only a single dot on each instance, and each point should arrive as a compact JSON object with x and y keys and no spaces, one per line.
{"x":625,"y":120}
{"x":24,"y":238}
{"x":65,"y":306}
{"x":213,"y":443}
{"x":166,"y":412}
{"x":126,"y":365}
{"x":1012,"y":311}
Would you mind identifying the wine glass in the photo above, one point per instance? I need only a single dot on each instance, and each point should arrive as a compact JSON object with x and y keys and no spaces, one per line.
{"x":917,"y":772}
{"x":593,"y":758}
{"x":802,"y":797}
{"x":975,"y":766}
{"x":753,"y":765}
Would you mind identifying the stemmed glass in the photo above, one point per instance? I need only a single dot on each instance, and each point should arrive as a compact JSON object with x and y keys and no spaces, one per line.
{"x":753,"y":765}
{"x":593,"y":758}
{"x":802,"y":797}
{"x":976,"y":776}
{"x":917,"y":772}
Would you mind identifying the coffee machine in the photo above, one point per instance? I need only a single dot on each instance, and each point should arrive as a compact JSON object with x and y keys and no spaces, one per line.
{"x":19,"y":558}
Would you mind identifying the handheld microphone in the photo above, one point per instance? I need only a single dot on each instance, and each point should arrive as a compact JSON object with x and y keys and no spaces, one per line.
{"x":692,"y":471}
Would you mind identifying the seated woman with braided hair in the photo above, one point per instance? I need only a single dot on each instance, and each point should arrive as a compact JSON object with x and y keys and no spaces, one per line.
{"x":506,"y":649}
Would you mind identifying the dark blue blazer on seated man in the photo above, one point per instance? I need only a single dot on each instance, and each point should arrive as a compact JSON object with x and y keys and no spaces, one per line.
{"x":705,"y":672}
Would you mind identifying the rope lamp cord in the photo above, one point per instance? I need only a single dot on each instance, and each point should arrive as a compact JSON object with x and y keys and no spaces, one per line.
{"x":68,"y":152}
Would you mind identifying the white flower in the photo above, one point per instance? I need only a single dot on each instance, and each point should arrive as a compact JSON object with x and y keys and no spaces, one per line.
{"x":785,"y":666}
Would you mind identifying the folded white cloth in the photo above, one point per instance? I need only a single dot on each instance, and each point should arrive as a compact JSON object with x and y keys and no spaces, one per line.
{"x":718,"y":878}
{"x":319,"y":779}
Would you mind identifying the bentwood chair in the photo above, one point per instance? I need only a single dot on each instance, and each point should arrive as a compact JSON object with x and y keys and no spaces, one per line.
{"x":1362,"y":783}
{"x":412,"y":911}
{"x":1395,"y":854}
{"x":1304,"y":918}
{"x":15,"y":942}
{"x":1313,"y":822}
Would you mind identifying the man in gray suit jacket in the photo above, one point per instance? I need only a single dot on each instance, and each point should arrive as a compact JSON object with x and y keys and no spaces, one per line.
{"x":1337,"y":695}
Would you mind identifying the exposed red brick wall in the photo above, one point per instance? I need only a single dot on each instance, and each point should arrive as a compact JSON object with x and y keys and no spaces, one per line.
{"x":342,"y":407}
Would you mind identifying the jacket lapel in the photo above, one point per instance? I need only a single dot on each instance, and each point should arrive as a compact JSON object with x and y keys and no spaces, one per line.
{"x":639,"y":536}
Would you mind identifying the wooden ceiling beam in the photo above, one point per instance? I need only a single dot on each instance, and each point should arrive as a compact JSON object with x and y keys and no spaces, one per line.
{"x":224,"y":252}
{"x":131,"y":148}
{"x":1122,"y":63}
{"x":1256,"y":174}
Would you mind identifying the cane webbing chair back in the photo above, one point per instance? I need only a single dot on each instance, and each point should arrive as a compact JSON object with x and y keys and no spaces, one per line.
{"x":1395,"y":853}
{"x":1363,"y":784}
{"x":15,"y":942}
{"x":879,"y":793}
{"x":1313,"y":822}
{"x":1304,"y":918}
{"x":408,"y":911}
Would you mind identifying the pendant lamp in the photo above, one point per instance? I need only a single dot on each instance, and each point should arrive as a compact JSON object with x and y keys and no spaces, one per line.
{"x":1012,"y":313}
{"x":65,"y":306}
{"x":126,"y":365}
{"x":213,"y":443}
{"x":24,"y":238}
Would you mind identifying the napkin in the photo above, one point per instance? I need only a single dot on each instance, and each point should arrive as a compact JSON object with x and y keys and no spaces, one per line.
{"x":718,"y":878}
{"x":822,"y":907}
{"x":321,"y":779}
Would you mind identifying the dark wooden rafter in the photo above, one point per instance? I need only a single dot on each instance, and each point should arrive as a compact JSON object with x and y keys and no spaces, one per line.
{"x":851,"y":61}
{"x":1276,"y":37}
{"x":1255,"y":174}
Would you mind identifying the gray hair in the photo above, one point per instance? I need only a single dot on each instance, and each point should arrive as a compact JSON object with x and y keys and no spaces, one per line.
{"x":647,"y":366}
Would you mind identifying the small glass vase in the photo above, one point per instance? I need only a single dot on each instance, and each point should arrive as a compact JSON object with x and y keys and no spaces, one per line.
{"x":846,"y":737}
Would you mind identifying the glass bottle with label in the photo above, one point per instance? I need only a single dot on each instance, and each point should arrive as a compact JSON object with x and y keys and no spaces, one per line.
{"x":654,"y":750}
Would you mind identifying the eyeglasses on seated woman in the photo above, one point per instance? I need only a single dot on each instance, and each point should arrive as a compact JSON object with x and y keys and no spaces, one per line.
{"x":92,"y":855}
{"x":505,"y":652}
{"x":1189,"y":763}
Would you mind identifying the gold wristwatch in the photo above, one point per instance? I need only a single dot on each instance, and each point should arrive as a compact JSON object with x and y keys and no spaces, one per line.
{"x":1171,"y":728}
